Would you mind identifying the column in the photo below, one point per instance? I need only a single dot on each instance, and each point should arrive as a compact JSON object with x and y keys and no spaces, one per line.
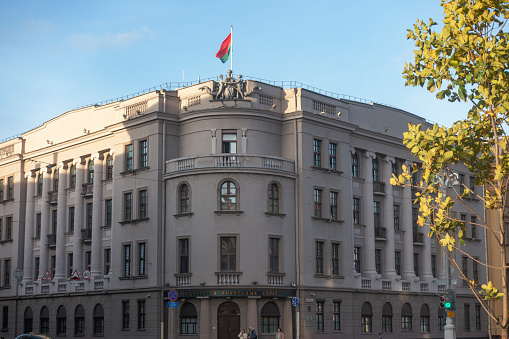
{"x":29,"y":229}
{"x":350,"y":248}
{"x":44,"y":248}
{"x":408,"y":246}
{"x":367,"y":215}
{"x":287,"y":318}
{"x":389,"y":260}
{"x":204,"y":324}
{"x":61,"y":221}
{"x":252,"y":313}
{"x":114,"y":205}
{"x":78,"y":216}
{"x":426,"y":254}
{"x":97,"y":215}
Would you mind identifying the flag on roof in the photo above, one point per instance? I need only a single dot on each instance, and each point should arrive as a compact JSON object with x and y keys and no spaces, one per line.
{"x":224,"y":50}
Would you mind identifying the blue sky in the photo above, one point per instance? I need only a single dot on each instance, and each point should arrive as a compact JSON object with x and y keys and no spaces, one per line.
{"x":57,"y":55}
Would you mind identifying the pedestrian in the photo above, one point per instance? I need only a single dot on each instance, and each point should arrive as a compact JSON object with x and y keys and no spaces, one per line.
{"x":280,"y":334}
{"x":242,"y":334}
{"x":252,"y":333}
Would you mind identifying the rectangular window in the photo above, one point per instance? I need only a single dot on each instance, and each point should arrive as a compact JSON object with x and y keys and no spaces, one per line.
{"x":336,"y":316}
{"x":416,"y":264}
{"x":376,"y":170}
{"x":8,"y":228}
{"x":319,"y":257}
{"x":127,"y":259}
{"x":466,"y":314}
{"x":461,"y":179}
{"x":1,"y":189}
{"x":143,"y":154}
{"x":397,"y":263}
{"x":317,"y":158}
{"x":441,"y":323}
{"x":464,"y":267}
{"x":386,"y":323}
{"x":319,"y":316}
{"x":128,"y":206}
{"x":72,"y":181}
{"x":125,"y":315}
{"x":434,"y":265}
{"x":396,"y":217}
{"x":71,"y":219}
{"x":378,"y":261}
{"x":5,"y":318}
{"x":69,"y":264}
{"x":53,"y":262}
{"x":10,"y":188}
{"x":333,"y":203}
{"x":89,"y":214}
{"x":317,"y":199}
{"x":395,"y":168}
{"x":1,"y":228}
{"x":108,"y":205}
{"x":142,"y":270}
{"x":472,"y":187}
{"x":356,"y":211}
{"x":36,"y":267}
{"x":54,"y":222}
{"x":424,"y":324}
{"x":475,"y":270}
{"x":357,"y":259}
{"x":228,"y":254}
{"x":355,"y":165}
{"x":415,"y":218}
{"x":273,"y":254}
{"x":229,"y":143}
{"x":129,"y":157}
{"x":55,"y":181}
{"x":142,"y":198}
{"x":38,"y":222}
{"x":478,"y":317}
{"x":141,"y":314}
{"x":377,"y":207}
{"x":473,"y":226}
{"x":107,"y":260}
{"x":184,"y":256}
{"x":39,"y":185}
{"x":332,"y":156}
{"x":88,"y":260}
{"x":7,"y":272}
{"x":335,"y":258}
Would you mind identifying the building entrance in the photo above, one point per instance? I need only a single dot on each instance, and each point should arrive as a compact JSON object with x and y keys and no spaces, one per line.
{"x":228,"y":321}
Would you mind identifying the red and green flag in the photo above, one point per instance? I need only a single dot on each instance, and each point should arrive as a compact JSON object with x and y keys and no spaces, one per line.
{"x":224,"y":50}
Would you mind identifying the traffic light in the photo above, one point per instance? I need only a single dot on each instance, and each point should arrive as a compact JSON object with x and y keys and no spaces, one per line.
{"x":442,"y":301}
{"x":448,"y":299}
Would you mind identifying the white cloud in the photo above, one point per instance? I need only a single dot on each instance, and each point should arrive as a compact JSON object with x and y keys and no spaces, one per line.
{"x":108,"y":40}
{"x":41,"y":26}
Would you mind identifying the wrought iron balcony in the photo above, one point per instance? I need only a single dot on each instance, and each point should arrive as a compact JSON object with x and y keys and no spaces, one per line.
{"x":52,"y":240}
{"x":380,"y":232}
{"x":86,"y":234}
{"x":418,"y":236}
{"x":88,"y":190}
{"x":378,"y":187}
{"x":53,"y":197}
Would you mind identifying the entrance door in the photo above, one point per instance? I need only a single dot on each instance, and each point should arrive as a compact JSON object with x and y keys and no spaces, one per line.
{"x":228,"y":321}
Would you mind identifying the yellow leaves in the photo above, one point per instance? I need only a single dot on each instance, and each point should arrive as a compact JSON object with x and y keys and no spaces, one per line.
{"x":448,"y":242}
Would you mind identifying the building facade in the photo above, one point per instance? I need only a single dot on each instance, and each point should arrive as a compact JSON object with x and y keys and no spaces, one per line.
{"x":240,"y":196}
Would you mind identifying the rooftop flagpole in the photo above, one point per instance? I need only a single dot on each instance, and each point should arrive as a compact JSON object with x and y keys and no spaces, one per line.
{"x":231,"y":51}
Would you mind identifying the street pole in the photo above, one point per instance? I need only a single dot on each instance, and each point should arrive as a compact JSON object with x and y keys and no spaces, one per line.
{"x":449,"y":328}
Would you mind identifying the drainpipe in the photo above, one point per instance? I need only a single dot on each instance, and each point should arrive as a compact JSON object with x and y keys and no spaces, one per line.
{"x":162,"y":169}
{"x":297,"y":212}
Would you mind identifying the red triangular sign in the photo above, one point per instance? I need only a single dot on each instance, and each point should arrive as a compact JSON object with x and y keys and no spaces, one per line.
{"x":46,"y":276}
{"x":75,"y":275}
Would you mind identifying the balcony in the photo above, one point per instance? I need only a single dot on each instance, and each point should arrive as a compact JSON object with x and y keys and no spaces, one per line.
{"x":86,"y":234}
{"x":275,"y":279}
{"x":183,"y":279}
{"x":230,"y":161}
{"x":378,"y":187}
{"x":88,"y":190}
{"x":380,"y":232}
{"x":52,"y":240}
{"x":53,"y":198}
{"x":228,"y":278}
{"x":418,"y":236}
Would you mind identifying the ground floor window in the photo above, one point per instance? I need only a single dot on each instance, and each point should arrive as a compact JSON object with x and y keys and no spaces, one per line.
{"x":269,"y":318}
{"x":366,"y":318}
{"x":188,"y":319}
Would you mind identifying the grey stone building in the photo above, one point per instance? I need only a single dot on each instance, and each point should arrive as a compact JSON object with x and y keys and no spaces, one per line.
{"x":239,"y":195}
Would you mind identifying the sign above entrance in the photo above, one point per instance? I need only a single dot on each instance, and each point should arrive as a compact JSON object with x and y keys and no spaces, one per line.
{"x":236,"y":293}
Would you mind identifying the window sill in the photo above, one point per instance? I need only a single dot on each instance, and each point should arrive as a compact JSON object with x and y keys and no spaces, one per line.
{"x":98,"y":335}
{"x":107,"y":227}
{"x":324,"y":276}
{"x":337,"y":277}
{"x":181,"y":215}
{"x":327,"y":219}
{"x":79,"y":335}
{"x":324,"y":169}
{"x":6,"y":241}
{"x":357,"y":179}
{"x":228,"y":212}
{"x":4,"y":330}
{"x":275,"y":214}
{"x":134,"y":171}
{"x":134,"y":221}
{"x":7,"y":200}
{"x":136,"y":277}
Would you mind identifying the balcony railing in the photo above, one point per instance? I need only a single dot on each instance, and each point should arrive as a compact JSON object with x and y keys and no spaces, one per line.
{"x":52,"y":240}
{"x":380,"y":232}
{"x":275,"y":279}
{"x":228,"y":278}
{"x":378,"y":187}
{"x":366,"y":283}
{"x":53,"y":197}
{"x":230,"y":161}
{"x":405,"y":286}
{"x":88,"y":190}
{"x":183,"y":279}
{"x":86,"y":234}
{"x":418,"y":236}
{"x":386,"y":285}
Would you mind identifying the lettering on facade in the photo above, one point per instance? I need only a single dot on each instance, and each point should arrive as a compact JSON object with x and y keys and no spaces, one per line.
{"x":235,"y":293}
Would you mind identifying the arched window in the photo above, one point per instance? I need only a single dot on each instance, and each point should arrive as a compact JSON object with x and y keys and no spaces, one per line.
{"x":91,"y":171}
{"x":366,"y":318}
{"x":61,"y":320}
{"x":406,"y":317}
{"x":72,"y":182}
{"x":28,"y":320}
{"x":228,"y":196}
{"x":273,"y":198}
{"x":387,"y":318}
{"x":44,"y":320}
{"x":79,"y":320}
{"x":98,"y":319}
{"x":425,"y":318}
{"x":188,"y":319}
{"x":270,"y":318}
{"x":185,"y":201}
{"x":109,"y":167}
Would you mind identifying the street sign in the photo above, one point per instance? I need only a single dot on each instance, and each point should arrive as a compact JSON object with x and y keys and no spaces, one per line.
{"x":18,"y":274}
{"x":173,"y":295}
{"x":46,"y":276}
{"x":75,"y":275}
{"x":295,"y":301}
{"x":86,"y":274}
{"x":450,"y":314}
{"x":173,"y":304}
